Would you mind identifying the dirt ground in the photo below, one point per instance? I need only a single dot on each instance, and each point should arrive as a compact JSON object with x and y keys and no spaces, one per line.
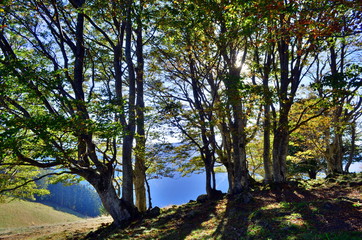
{"x":55,"y":231}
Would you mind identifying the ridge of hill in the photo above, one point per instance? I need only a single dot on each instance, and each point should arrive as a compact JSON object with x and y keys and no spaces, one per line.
{"x":20,"y":213}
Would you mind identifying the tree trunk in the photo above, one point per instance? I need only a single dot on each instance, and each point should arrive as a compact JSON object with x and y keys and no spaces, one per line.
{"x":205,"y":125}
{"x":312,"y":174}
{"x":353,"y":147}
{"x":121,"y":212}
{"x":335,"y":155}
{"x":127,"y":186}
{"x":139,"y":183}
{"x":140,"y":169}
{"x":266,"y":145}
{"x":148,"y":194}
{"x":265,"y":69}
{"x":213,"y":177}
{"x":237,"y":133}
{"x":281,"y":132}
{"x":334,"y":150}
{"x":208,"y":181}
{"x":280,"y":149}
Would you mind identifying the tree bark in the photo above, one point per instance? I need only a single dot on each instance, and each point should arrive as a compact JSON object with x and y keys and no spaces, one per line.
{"x":240,"y":179}
{"x":266,"y":145}
{"x":140,"y":168}
{"x":281,"y":132}
{"x":280,"y":149}
{"x":353,"y":147}
{"x":265,"y":70}
{"x":121,"y":212}
{"x":127,"y":186}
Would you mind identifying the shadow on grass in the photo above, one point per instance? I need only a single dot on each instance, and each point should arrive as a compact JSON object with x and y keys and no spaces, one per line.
{"x":186,"y":220}
{"x":232,"y":224}
{"x":291,"y":213}
{"x":103,"y":232}
{"x":285,"y":213}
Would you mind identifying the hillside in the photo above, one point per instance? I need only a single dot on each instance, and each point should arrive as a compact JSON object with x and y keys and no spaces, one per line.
{"x":312,"y":210}
{"x":20,"y":213}
{"x":330,"y":209}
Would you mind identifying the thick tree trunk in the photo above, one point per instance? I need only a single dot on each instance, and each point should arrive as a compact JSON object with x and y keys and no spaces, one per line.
{"x":208,"y":181}
{"x":139,"y":183}
{"x":240,"y":169}
{"x":230,"y":174}
{"x":127,"y":174}
{"x":335,"y":155}
{"x":312,"y":174}
{"x":280,"y":149}
{"x":237,"y":133}
{"x":121,"y":212}
{"x":334,"y":150}
{"x":280,"y":152}
{"x":225,"y":154}
{"x":281,"y":132}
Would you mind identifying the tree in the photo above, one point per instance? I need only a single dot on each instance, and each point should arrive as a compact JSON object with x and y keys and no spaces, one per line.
{"x":352,"y":150}
{"x":297,"y":29}
{"x":306,"y":145}
{"x":66,"y":110}
{"x":188,"y":60}
{"x":338,"y":79}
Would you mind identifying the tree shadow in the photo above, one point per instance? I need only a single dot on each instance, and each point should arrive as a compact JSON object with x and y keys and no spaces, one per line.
{"x":232,"y":223}
{"x":102,"y":232}
{"x":328,"y":212}
{"x":289,"y":211}
{"x":181,"y":222}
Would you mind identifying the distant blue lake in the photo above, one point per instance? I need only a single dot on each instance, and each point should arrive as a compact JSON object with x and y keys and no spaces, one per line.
{"x":180,"y":190}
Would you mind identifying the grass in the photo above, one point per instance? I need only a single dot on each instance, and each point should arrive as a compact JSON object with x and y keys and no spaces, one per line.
{"x":321,"y":209}
{"x":311,"y":210}
{"x":20,"y":213}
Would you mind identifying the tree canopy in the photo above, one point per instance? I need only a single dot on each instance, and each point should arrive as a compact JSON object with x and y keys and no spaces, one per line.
{"x":84,"y":85}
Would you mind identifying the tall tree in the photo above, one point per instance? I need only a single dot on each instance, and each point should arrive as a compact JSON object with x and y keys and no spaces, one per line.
{"x":297,"y":28}
{"x":67,"y":102}
{"x":187,"y":61}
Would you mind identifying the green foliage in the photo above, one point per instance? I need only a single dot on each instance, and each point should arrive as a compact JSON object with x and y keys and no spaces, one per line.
{"x":19,"y":179}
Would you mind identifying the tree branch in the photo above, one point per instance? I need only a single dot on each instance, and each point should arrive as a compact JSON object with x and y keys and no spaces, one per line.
{"x":33,"y":180}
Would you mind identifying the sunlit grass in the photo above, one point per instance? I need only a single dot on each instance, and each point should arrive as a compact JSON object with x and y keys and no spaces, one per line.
{"x":264,"y":218}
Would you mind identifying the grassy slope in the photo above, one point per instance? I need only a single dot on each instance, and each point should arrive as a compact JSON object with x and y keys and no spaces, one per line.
{"x":19,"y":213}
{"x":313,"y":210}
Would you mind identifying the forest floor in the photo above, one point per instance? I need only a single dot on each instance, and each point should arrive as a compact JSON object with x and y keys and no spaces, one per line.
{"x":319,"y":209}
